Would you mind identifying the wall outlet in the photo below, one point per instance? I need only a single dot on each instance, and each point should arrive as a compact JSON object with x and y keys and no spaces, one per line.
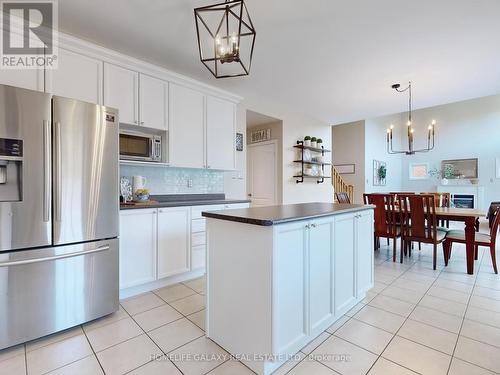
{"x":190,"y":183}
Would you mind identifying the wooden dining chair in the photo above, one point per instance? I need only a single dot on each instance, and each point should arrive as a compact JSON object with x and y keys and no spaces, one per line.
{"x":419,"y":223}
{"x":342,"y":197}
{"x":385,"y":216}
{"x":442,"y":200}
{"x":482,"y":239}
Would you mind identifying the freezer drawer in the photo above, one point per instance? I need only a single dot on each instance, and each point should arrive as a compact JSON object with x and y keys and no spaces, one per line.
{"x":48,"y":290}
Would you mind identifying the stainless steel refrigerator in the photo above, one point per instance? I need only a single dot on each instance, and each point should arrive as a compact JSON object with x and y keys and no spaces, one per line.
{"x":58,"y":213}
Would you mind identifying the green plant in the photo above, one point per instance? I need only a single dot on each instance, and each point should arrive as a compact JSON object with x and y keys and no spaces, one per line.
{"x":436,"y":173}
{"x":307,"y":138}
{"x":319,"y":140}
{"x":382,"y":172}
{"x":314,"y":139}
{"x":142,"y":192}
{"x":449,"y":171}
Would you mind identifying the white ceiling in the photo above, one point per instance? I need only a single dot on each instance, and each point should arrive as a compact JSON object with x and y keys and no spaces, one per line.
{"x":333,"y":60}
{"x":257,"y":119}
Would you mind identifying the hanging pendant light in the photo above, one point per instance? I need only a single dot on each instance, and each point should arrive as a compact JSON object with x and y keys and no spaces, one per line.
{"x":410,"y":129}
{"x":226,"y":38}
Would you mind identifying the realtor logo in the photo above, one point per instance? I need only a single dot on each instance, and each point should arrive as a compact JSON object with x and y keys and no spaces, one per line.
{"x":29,"y":34}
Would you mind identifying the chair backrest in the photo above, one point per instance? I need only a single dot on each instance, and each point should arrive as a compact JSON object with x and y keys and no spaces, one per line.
{"x":441,"y":199}
{"x":384,"y":214}
{"x":492,"y":212}
{"x":398,"y":193}
{"x":418,"y":216}
{"x":494,"y":227}
{"x":342,"y":197}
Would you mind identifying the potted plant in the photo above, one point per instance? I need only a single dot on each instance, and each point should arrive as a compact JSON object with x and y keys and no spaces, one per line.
{"x":314,"y":142}
{"x":307,"y":141}
{"x":382,"y":172}
{"x":319,"y":142}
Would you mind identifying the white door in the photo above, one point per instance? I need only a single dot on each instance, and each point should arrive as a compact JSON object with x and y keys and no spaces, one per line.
{"x":290,"y":286}
{"x":137,"y":247}
{"x":121,"y":92}
{"x":364,"y":252}
{"x":220,"y":134}
{"x":262,"y":174}
{"x":174,"y":233}
{"x":153,"y":102}
{"x":344,"y":281}
{"x":77,"y":77}
{"x":321,"y":308}
{"x":186,"y":127}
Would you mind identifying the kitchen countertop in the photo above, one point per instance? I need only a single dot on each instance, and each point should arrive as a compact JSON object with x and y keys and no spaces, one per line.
{"x":272,"y":215}
{"x":177,"y":200}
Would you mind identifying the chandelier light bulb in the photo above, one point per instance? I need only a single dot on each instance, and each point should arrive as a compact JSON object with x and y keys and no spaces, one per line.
{"x":388,"y":131}
{"x":433,"y":122}
{"x":412,"y":130}
{"x":408,"y":123}
{"x":392,"y":126}
{"x":430,"y":127}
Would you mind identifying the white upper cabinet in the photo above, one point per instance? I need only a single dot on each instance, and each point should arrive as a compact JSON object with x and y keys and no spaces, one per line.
{"x":121,"y":92}
{"x":220,"y":134}
{"x":31,"y":79}
{"x":153,"y":102}
{"x":186,"y":127}
{"x":77,"y":77}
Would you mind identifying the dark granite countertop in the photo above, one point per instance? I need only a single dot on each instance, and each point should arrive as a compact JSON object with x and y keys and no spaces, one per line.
{"x":177,"y":200}
{"x":272,"y":215}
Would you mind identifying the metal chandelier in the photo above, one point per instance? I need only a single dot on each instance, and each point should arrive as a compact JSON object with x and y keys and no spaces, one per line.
{"x":226,"y":38}
{"x":410,"y":129}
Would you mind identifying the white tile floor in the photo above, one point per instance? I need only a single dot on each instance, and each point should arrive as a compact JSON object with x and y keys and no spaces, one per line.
{"x":414,"y":320}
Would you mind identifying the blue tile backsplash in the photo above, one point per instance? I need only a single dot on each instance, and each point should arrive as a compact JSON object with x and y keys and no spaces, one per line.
{"x":169,"y":180}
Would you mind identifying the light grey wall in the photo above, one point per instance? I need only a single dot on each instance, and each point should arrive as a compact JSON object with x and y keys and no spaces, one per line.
{"x":348,"y":147}
{"x":376,"y":149}
{"x":468,"y":129}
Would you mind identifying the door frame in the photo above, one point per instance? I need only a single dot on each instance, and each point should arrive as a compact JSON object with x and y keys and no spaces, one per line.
{"x":273,"y":142}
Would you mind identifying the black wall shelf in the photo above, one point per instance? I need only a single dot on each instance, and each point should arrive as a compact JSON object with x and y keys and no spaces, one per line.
{"x":322,"y":150}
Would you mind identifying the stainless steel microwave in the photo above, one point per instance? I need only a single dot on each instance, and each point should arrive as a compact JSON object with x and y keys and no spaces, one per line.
{"x":140,"y":146}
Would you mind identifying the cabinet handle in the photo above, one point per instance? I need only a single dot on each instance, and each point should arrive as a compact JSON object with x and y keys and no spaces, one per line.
{"x":313,"y":225}
{"x":208,"y":166}
{"x":307,"y":226}
{"x":142,"y":122}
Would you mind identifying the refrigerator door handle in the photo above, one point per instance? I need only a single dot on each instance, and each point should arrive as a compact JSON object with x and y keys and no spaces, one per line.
{"x":46,"y":171}
{"x":58,"y":182}
{"x":55,"y":257}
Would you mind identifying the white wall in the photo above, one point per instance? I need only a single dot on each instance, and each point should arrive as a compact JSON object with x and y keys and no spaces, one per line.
{"x":468,"y":129}
{"x":376,"y":149}
{"x":235,"y":186}
{"x":348,"y":142}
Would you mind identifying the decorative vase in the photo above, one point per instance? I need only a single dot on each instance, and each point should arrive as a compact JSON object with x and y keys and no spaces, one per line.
{"x":444,"y":181}
{"x":307,"y":143}
{"x":314,"y":144}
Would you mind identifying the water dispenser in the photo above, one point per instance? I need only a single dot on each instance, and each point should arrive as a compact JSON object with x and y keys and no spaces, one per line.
{"x":11,"y":165}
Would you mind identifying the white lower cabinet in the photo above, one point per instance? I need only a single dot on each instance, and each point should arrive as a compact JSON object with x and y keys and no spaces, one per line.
{"x":173,"y":241}
{"x":364,"y":252}
{"x":138,"y":239}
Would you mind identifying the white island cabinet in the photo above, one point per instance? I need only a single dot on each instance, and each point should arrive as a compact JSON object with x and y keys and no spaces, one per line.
{"x":279,"y":276}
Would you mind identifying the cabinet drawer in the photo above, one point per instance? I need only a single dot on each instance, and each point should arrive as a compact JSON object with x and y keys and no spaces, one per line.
{"x":198,"y":257}
{"x":198,"y":225}
{"x":197,"y":210}
{"x":198,"y":239}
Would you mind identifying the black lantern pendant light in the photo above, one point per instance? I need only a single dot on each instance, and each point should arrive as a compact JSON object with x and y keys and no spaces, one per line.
{"x":226,"y":38}
{"x":410,"y":130}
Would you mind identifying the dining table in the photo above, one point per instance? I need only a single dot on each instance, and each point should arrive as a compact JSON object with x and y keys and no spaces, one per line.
{"x":469,"y":216}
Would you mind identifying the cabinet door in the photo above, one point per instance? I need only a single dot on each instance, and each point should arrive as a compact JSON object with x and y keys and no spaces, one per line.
{"x":290,"y":286}
{"x":137,"y":247}
{"x":186,"y":127}
{"x":364,"y":252}
{"x":174,"y":233}
{"x":121,"y":91}
{"x":344,"y":263}
{"x":321,"y":304}
{"x":220,"y":134}
{"x":153,"y":99}
{"x":77,"y":77}
{"x":31,"y":79}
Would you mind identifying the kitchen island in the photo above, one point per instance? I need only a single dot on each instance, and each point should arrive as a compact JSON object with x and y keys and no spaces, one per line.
{"x":278,"y":276}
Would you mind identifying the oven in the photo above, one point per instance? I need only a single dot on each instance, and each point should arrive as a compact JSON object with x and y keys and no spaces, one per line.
{"x":140,"y":146}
